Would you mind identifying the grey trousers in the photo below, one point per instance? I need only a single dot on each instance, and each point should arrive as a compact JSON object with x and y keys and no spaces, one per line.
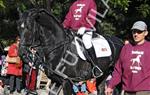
{"x":137,"y":93}
{"x":15,"y":83}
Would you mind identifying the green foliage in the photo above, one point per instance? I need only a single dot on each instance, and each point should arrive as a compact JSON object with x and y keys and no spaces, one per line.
{"x":123,"y":13}
{"x":120,"y":17}
{"x":7,"y":42}
{"x":57,"y":9}
{"x":144,"y":10}
{"x":107,"y":28}
{"x":22,"y":7}
{"x":122,"y":4}
{"x":2,"y":4}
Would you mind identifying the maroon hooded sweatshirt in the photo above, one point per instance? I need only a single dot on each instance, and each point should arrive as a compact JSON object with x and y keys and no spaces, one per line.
{"x":78,"y":13}
{"x":133,"y":68}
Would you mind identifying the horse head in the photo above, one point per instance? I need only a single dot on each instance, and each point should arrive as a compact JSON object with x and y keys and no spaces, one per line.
{"x":36,"y":26}
{"x":39,"y":28}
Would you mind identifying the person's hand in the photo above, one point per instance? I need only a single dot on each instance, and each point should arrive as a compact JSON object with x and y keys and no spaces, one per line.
{"x":34,"y":67}
{"x":30,"y":64}
{"x":80,"y":83}
{"x":108,"y":91}
{"x":81,"y":30}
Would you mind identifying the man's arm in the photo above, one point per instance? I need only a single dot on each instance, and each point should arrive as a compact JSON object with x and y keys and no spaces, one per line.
{"x":116,"y":75}
{"x":91,"y":15}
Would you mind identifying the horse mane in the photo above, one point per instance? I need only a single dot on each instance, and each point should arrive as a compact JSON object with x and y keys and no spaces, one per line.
{"x":34,"y":14}
{"x":50,"y":14}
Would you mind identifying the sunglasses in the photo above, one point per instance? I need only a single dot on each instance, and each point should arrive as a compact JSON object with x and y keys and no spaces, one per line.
{"x":137,"y":31}
{"x":32,"y":48}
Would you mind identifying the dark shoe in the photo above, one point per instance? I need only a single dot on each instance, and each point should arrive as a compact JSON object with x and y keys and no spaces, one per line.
{"x":19,"y":91}
{"x":34,"y":92}
{"x":11,"y":93}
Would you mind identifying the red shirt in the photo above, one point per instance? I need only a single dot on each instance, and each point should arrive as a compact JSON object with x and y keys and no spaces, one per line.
{"x":78,"y":13}
{"x":13,"y":68}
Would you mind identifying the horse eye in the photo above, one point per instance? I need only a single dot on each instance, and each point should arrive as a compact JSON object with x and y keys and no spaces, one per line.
{"x":22,"y":25}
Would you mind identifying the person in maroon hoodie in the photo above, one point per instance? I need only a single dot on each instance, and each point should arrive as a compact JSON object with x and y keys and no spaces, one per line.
{"x":81,"y":19}
{"x":78,"y":19}
{"x":132,"y":69}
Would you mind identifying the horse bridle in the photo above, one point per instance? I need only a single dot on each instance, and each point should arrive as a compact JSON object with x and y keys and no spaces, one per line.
{"x":60,"y":44}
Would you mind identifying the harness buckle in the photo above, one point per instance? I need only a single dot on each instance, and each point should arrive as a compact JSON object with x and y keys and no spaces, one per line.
{"x":97,"y":72}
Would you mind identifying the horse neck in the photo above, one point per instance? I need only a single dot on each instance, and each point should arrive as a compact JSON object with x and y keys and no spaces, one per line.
{"x":53,"y":27}
{"x":60,"y":34}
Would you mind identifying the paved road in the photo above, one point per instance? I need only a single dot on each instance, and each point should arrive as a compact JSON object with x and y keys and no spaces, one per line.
{"x":42,"y":91}
{"x":5,"y":91}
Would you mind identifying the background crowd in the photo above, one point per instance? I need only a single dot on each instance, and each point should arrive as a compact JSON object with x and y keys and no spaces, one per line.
{"x":17,"y":75}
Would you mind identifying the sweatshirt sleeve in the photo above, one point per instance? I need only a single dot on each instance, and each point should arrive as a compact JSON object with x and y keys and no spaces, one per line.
{"x":91,"y":15}
{"x":68,"y":18}
{"x":116,"y":76}
{"x":117,"y":73}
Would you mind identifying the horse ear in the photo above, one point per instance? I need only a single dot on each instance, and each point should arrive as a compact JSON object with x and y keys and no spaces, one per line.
{"x":19,"y":11}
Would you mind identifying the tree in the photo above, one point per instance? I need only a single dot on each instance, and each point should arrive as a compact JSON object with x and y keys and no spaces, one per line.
{"x":1,"y":4}
{"x":120,"y":17}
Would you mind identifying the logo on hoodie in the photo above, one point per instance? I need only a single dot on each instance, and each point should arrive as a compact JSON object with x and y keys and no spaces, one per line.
{"x":136,"y":61}
{"x":78,"y":11}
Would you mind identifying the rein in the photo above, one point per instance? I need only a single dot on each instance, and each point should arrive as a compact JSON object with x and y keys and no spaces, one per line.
{"x":59,"y":45}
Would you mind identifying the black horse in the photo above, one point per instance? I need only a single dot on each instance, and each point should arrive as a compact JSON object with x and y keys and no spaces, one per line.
{"x":40,"y":29}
